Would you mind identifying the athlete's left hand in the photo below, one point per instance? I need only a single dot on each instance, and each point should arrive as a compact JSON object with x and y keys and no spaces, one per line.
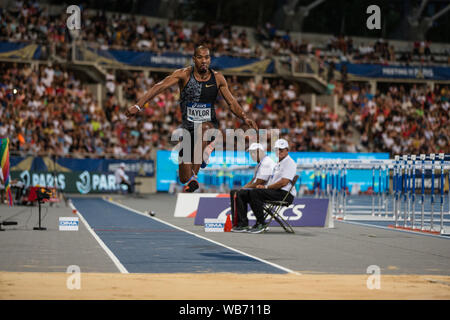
{"x":131,"y":111}
{"x":251,"y":123}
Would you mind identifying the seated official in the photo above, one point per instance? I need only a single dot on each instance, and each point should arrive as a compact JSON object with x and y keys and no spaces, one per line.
{"x":122,"y":178}
{"x":262,"y":174}
{"x":276,"y":188}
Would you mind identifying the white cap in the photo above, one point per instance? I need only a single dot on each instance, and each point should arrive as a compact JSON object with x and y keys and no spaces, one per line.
{"x":281,"y":144}
{"x":122,"y":165}
{"x":256,"y":146}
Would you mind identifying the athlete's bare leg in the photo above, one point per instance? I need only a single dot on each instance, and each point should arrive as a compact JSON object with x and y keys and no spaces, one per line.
{"x":185,"y":172}
{"x":205,"y":126}
{"x":188,"y":169}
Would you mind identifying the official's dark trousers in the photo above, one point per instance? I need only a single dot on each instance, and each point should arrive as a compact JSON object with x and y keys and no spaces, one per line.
{"x":130,"y":187}
{"x":257,"y":198}
{"x":239,"y":199}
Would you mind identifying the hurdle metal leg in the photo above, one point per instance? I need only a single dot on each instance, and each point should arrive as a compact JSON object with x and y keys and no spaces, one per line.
{"x":399,"y":193}
{"x":394,"y":190}
{"x":386,"y":192}
{"x":373,"y":191}
{"x":448,"y":178}
{"x":432,"y":156}
{"x":441,"y":188}
{"x":332,"y":191}
{"x":407,"y":194}
{"x":379,"y":192}
{"x":422,"y":227}
{"x":413,"y":191}
{"x":344,"y":191}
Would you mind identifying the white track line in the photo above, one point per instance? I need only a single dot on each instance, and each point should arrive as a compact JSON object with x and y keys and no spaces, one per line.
{"x":204,"y":238}
{"x":394,"y":229}
{"x":114,"y":259}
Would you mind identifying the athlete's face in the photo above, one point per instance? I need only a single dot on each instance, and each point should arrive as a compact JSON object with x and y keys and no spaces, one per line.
{"x":202,"y":60}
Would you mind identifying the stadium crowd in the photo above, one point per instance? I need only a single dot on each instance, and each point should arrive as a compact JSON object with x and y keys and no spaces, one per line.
{"x":28,"y":21}
{"x":138,"y":34}
{"x":342,"y":47}
{"x":273,"y":103}
{"x":400,"y":120}
{"x":48,"y":110}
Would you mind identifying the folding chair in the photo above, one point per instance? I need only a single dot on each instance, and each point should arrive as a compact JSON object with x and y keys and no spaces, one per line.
{"x":272,"y":209}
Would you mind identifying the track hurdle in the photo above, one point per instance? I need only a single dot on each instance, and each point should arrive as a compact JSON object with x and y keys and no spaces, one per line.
{"x":406,"y":189}
{"x":396,"y":182}
{"x":408,"y":175}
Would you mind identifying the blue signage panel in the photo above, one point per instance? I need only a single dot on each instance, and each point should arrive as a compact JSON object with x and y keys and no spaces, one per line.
{"x":167,"y":168}
{"x":304,"y":212}
{"x":397,"y":72}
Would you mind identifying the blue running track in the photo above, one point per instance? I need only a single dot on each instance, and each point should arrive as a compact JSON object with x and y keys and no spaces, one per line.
{"x":145,"y":245}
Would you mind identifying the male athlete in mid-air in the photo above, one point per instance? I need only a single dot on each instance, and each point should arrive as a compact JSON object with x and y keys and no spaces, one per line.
{"x":199,"y":86}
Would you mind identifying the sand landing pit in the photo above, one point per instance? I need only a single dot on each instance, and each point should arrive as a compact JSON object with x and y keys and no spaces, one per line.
{"x":207,"y":286}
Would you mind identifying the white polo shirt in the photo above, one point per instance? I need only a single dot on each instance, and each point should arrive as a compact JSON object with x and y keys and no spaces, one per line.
{"x":120,"y":176}
{"x":286,"y":168}
{"x":264,"y":169}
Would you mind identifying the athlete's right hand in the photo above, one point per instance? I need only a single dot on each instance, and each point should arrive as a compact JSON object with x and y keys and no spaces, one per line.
{"x":251,"y":123}
{"x":131,"y":111}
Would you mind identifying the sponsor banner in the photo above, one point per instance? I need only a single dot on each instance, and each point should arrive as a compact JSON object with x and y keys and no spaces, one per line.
{"x":20,"y":50}
{"x":397,"y":72}
{"x":214,"y":225}
{"x":187,"y":203}
{"x":174,"y":60}
{"x":68,"y":224}
{"x":301,"y":213}
{"x":72,"y":182}
{"x":132,"y":167}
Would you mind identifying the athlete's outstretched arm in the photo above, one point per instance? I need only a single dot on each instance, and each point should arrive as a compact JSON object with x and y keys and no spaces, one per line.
{"x":168,"y":82}
{"x":232,"y":102}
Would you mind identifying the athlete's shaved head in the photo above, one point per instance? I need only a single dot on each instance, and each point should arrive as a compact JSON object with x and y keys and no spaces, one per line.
{"x":200,"y":48}
{"x":202,"y":59}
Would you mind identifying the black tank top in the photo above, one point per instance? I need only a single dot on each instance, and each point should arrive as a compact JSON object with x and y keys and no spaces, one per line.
{"x":197,"y":101}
